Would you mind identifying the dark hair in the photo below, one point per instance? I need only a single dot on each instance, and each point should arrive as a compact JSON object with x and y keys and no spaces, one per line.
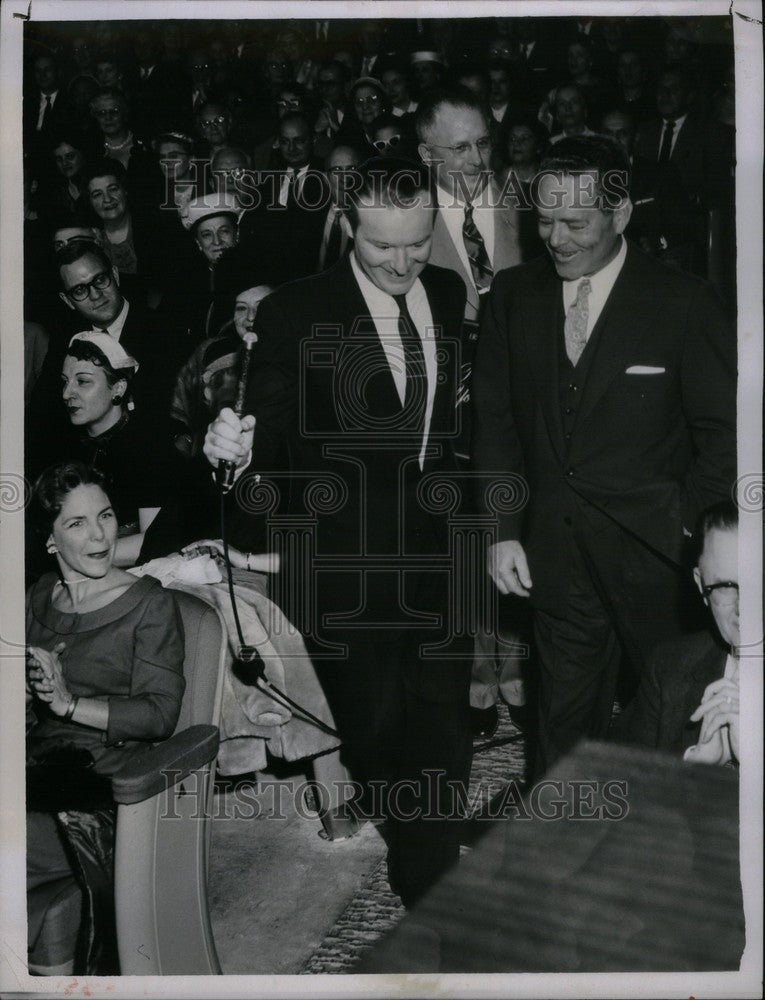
{"x":599,"y":155}
{"x":73,"y":252}
{"x":68,"y":218}
{"x":71,"y":136}
{"x":375,"y":85}
{"x":293,"y":117}
{"x":104,"y":166}
{"x":391,"y":181}
{"x":107,"y":56}
{"x":86,"y":350}
{"x":115,"y":94}
{"x":457,"y":96}
{"x":721,"y":516}
{"x":52,"y":488}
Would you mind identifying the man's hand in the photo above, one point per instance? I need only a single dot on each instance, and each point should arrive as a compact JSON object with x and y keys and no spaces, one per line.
{"x":229,"y":439}
{"x":719,"y":708}
{"x":507,"y":566}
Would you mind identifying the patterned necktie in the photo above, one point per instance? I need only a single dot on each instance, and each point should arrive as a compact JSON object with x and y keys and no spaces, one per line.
{"x":416,"y":395}
{"x":575,"y":327}
{"x":665,"y":150}
{"x":482,"y":270}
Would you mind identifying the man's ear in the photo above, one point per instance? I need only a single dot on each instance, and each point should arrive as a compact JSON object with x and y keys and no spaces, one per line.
{"x":118,"y":390}
{"x":65,"y":298}
{"x":622,"y":215}
{"x":425,"y":154}
{"x":697,"y":580}
{"x":116,"y":276}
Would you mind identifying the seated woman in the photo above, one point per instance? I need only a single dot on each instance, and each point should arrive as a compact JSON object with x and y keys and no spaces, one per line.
{"x":61,"y":187}
{"x":105,"y":669}
{"x":144,"y":470}
{"x":208,"y":380}
{"x":367,"y":101}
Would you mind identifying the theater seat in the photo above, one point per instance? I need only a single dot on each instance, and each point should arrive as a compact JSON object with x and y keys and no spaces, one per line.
{"x":163,"y":821}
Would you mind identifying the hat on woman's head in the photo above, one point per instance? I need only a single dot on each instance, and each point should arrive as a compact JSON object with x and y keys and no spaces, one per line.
{"x":208,"y":205}
{"x":117,"y":357}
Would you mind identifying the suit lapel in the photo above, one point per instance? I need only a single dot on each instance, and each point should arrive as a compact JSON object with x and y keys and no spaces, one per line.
{"x":445,"y":255}
{"x":506,"y":240}
{"x":443,"y":396}
{"x":618,"y":331}
{"x":542,"y":317}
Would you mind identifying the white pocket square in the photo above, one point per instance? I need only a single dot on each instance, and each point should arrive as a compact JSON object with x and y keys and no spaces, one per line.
{"x":644,"y":370}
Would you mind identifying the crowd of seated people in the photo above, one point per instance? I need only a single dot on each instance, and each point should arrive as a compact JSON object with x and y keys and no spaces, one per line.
{"x":175,"y":174}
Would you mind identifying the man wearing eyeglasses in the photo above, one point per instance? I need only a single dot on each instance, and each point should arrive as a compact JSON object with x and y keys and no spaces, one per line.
{"x":688,"y":701}
{"x":476,"y":236}
{"x":91,"y":292}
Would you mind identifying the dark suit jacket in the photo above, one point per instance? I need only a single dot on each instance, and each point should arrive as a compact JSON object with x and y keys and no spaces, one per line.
{"x":321,"y":387}
{"x":649,"y":447}
{"x":670,"y":692}
{"x":702,"y":155}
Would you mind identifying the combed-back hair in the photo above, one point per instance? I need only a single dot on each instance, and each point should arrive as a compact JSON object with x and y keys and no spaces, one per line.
{"x":386,"y":181}
{"x":52,"y":488}
{"x":599,"y":155}
{"x":455,"y":95}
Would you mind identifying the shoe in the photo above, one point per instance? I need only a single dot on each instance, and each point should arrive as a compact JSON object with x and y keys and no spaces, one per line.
{"x":519,"y":715}
{"x":484,"y":721}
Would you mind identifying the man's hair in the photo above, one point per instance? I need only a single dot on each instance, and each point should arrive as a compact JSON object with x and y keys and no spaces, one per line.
{"x":386,"y":181}
{"x":73,"y":252}
{"x":295,"y":117}
{"x":599,"y":155}
{"x":104,"y":166}
{"x":721,"y":516}
{"x":456,"y":96}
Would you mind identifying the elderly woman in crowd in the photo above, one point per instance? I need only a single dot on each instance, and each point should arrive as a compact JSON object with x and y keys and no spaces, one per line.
{"x":367,"y":101}
{"x":208,"y":380}
{"x":128,"y":235}
{"x":105,"y":658}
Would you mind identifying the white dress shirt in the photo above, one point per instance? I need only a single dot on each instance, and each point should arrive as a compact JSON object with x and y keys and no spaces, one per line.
{"x":285,"y":186}
{"x":679,"y":122}
{"x":602,"y":282}
{"x":385,"y":314}
{"x":453,"y":214}
{"x":114,"y":329}
{"x":44,"y":98}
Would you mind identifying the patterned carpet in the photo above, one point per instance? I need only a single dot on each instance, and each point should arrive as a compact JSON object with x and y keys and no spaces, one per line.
{"x":375,"y":910}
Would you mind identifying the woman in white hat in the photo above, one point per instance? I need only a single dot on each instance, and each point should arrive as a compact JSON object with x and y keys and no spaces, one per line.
{"x":143,"y":471}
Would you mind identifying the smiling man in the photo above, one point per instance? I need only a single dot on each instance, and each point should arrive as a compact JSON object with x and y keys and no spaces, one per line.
{"x":607,"y":382}
{"x":354,"y":378}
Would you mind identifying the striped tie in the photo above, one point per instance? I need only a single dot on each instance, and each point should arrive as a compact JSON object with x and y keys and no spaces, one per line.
{"x":416,"y":395}
{"x":480,"y":265}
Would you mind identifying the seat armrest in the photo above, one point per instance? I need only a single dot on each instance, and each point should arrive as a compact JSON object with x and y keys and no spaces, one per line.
{"x":164,"y":764}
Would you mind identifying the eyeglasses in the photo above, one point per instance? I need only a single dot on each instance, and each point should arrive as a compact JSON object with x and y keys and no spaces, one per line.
{"x":723,"y":594}
{"x":294,"y":103}
{"x":100,"y":281}
{"x":200,"y":66}
{"x":483,"y":145}
{"x":381,"y":144}
{"x":209,"y":122}
{"x":107,"y":112}
{"x":369,"y":99}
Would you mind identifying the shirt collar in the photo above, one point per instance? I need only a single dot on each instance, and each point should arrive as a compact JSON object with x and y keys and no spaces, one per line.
{"x":114,"y":329}
{"x":677,"y":122}
{"x":606,"y":276}
{"x":375,"y":297}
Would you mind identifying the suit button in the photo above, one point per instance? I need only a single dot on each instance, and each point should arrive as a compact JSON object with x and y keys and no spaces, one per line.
{"x":568,"y":435}
{"x":568,"y":411}
{"x":567,"y":521}
{"x":572,"y":387}
{"x":570,"y":473}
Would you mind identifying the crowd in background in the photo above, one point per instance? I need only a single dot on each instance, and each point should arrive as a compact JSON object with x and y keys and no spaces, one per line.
{"x":201,"y":162}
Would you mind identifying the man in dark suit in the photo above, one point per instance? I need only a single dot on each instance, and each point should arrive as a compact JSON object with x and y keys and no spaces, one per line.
{"x":287,"y":224}
{"x":46,"y":111}
{"x":688,"y":700}
{"x":354,"y":376}
{"x":698,"y":151}
{"x":605,"y":387}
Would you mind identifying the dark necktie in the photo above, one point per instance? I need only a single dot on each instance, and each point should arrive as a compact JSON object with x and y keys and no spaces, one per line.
{"x":482,"y":270}
{"x":334,"y":243}
{"x":47,"y":111}
{"x":292,"y":189}
{"x":416,"y":395}
{"x":665,"y":150}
